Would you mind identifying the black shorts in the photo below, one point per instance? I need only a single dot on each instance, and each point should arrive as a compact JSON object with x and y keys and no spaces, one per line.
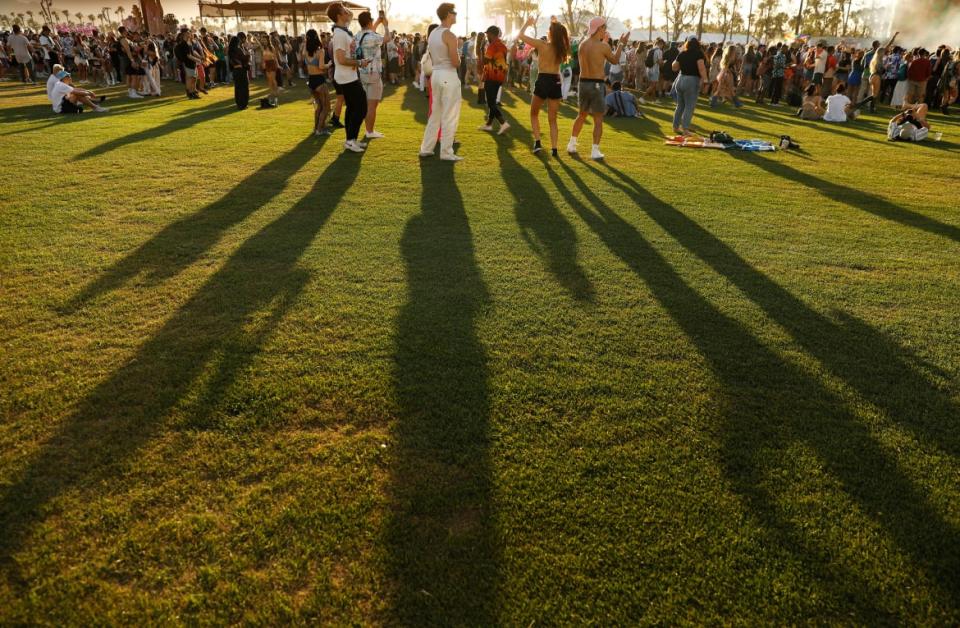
{"x":548,"y":87}
{"x":315,"y":80}
{"x":337,"y":88}
{"x":68,"y":107}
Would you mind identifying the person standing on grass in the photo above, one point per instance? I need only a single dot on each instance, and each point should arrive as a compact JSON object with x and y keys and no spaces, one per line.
{"x":370,"y":46}
{"x":548,"y":88}
{"x":271,"y":67}
{"x":777,"y":73}
{"x":239,"y":62}
{"x":314,"y":57}
{"x":691,"y":64}
{"x":493,"y":74}
{"x":346,"y":65}
{"x":21,"y":50}
{"x":445,"y":87}
{"x":184,"y":53}
{"x":591,"y":92}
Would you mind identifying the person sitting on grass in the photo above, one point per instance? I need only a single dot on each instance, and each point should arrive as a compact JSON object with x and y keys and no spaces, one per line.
{"x":840,"y":108}
{"x":66,"y":98}
{"x":910,"y":125}
{"x":812,"y":106}
{"x":621,"y":104}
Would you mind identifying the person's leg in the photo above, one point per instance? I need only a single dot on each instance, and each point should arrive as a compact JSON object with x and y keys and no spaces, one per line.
{"x":491,"y":88}
{"x":691,"y":102}
{"x":553,"y":107}
{"x":535,"y":105}
{"x":597,"y":128}
{"x":450,"y":107}
{"x":433,"y":122}
{"x":371,"y":118}
{"x":356,"y":101}
{"x":578,"y":125}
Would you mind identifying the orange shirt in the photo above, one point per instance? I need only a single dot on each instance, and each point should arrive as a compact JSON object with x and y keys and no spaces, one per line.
{"x":495,"y":62}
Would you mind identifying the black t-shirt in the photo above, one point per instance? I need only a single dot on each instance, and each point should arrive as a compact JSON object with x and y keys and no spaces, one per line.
{"x":688,"y":62}
{"x":182,"y":51}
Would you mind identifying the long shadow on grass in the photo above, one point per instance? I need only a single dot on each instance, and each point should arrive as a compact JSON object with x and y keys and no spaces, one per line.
{"x":851,"y":197}
{"x":543,"y":227}
{"x":201,"y":349}
{"x":443,"y":551}
{"x":877,"y":367}
{"x":176,"y":123}
{"x":181,"y":243}
{"x":416,"y":101}
{"x":770,"y":404}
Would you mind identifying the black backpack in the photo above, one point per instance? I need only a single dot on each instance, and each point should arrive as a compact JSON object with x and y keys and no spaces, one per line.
{"x":650,"y":61}
{"x":721,"y":137}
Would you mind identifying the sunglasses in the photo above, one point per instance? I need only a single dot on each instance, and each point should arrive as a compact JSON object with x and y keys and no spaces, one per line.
{"x":452,"y":13}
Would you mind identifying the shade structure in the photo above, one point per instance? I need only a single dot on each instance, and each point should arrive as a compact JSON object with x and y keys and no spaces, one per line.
{"x":299,"y":11}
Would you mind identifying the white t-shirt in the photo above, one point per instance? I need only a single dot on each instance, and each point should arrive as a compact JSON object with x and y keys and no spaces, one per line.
{"x":47,"y":44}
{"x":53,"y":80}
{"x":343,"y":40}
{"x":59,"y":90}
{"x":371,"y":50}
{"x":836,"y":108}
{"x":21,"y":48}
{"x":820,"y":62}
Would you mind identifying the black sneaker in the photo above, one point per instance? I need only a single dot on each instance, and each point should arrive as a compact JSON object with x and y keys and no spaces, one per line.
{"x":537,"y":147}
{"x":335,"y":123}
{"x":554,"y":153}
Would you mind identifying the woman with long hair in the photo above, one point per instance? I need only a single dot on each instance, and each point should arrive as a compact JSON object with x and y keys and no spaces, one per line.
{"x":552,"y":53}
{"x":239,"y":61}
{"x":725,"y":87}
{"x":314,"y":57}
{"x":480,"y":47}
{"x":691,"y":65}
{"x":271,"y":65}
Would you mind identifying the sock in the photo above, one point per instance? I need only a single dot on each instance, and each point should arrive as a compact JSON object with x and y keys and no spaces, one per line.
{"x":553,"y":151}
{"x":536,"y":144}
{"x":596,"y":147}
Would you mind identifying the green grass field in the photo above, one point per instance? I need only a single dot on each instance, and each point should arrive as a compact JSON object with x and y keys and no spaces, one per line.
{"x":247,"y":378}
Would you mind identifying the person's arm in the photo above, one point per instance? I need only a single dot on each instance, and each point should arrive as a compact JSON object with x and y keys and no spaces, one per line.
{"x":125,"y":44}
{"x":342,"y":59}
{"x":701,"y":66}
{"x":675,"y":66}
{"x":890,"y":43}
{"x":452,"y":49}
{"x":530,"y":41}
{"x":613,"y":56}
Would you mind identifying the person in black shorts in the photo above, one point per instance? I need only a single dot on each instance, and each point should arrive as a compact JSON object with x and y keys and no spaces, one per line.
{"x":548,"y":88}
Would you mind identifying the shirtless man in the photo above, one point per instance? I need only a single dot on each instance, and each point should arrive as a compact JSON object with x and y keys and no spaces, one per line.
{"x":592,"y":90}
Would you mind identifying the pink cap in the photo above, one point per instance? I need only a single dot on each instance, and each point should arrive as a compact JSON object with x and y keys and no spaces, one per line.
{"x":595,"y":25}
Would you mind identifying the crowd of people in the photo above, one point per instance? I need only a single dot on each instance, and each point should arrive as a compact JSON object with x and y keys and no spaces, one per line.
{"x":833,"y":83}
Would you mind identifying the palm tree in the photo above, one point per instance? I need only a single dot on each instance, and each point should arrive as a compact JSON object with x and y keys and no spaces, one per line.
{"x":20,"y":18}
{"x":120,"y":12}
{"x":91,"y":18}
{"x":79,"y":17}
{"x":66,"y":15}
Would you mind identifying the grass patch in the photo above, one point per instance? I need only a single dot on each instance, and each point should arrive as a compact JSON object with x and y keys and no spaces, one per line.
{"x":249,"y":378}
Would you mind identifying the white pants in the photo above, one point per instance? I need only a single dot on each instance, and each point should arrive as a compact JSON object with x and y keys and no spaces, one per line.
{"x":153,"y":79}
{"x":445,"y":116}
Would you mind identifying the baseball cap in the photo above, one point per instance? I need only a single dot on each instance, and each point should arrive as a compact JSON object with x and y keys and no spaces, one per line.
{"x":62,"y":74}
{"x":595,"y":25}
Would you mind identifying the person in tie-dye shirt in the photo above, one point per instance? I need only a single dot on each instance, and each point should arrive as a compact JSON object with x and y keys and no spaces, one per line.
{"x":495,"y":69}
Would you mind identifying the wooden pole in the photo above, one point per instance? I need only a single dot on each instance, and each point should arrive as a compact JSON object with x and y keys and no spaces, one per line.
{"x":650,"y":34}
{"x":294,"y":17}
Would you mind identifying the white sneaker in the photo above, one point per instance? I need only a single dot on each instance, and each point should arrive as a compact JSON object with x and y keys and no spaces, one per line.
{"x":372,"y":135}
{"x":422,"y":154}
{"x":485,"y":127}
{"x":642,"y":101}
{"x":352,"y":146}
{"x":572,"y":146}
{"x":504,"y":128}
{"x":101,"y":109}
{"x":595,"y":152}
{"x":133,"y":94}
{"x":452,"y":158}
{"x":360,"y":144}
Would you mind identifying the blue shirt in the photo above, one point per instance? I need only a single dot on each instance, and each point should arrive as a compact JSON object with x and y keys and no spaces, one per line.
{"x":623,"y":103}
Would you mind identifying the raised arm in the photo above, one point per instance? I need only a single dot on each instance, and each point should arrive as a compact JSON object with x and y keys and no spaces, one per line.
{"x":530,"y":41}
{"x":613,"y":56}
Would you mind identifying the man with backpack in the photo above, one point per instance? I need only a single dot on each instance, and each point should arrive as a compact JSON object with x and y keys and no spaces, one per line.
{"x":652,"y":62}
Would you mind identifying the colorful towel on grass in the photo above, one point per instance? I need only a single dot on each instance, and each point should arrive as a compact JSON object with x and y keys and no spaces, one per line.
{"x":695,"y":141}
{"x":754,"y":145}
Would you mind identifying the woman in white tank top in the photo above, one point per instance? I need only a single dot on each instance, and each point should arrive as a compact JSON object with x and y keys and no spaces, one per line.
{"x":445,"y":86}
